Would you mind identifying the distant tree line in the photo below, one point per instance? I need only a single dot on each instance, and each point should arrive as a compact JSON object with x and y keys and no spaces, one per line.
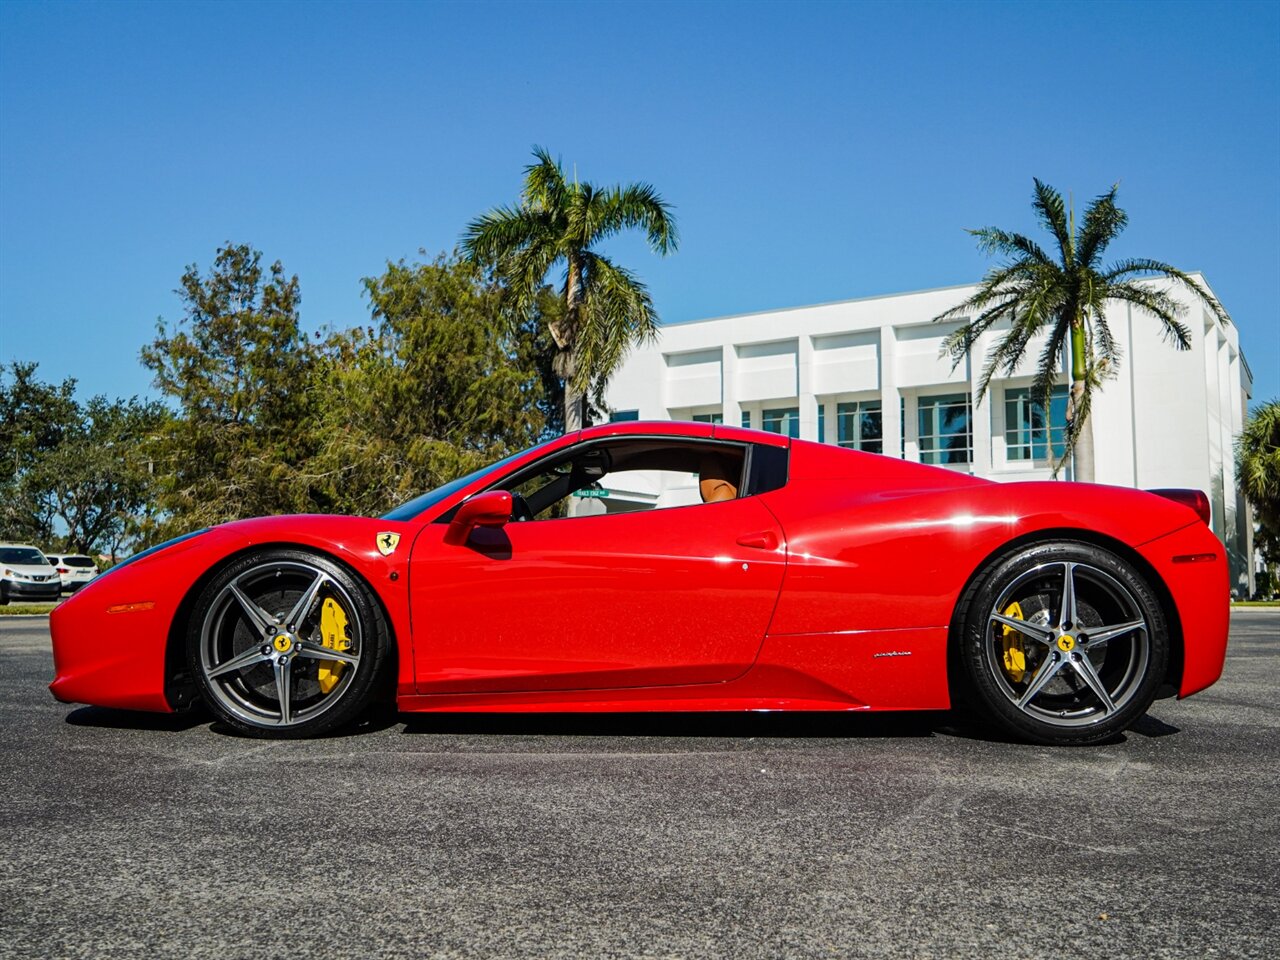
{"x":465,"y":360}
{"x":256,"y":418}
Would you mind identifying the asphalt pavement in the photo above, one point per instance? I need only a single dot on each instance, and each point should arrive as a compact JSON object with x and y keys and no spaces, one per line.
{"x":125,"y":835}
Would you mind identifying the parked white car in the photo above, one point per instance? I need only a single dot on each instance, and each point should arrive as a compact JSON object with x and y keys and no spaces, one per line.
{"x":25,"y":574}
{"x":75,"y":569}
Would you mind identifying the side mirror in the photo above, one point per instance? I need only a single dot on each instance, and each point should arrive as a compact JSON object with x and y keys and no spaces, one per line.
{"x":489,"y":509}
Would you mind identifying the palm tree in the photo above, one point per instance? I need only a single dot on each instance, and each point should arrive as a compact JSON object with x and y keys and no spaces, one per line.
{"x":557,"y":223}
{"x":1066,"y":295}
{"x":1258,"y":474}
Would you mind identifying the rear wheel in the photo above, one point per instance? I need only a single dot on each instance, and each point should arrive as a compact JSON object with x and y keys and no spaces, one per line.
{"x":1064,"y":643}
{"x":286,"y":644}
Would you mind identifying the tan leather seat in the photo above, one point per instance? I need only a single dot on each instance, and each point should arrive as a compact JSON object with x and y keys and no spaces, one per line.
{"x":717,"y":480}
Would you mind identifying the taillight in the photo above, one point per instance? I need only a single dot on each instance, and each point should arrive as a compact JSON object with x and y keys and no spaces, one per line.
{"x":1194,"y":499}
{"x":63,"y":570}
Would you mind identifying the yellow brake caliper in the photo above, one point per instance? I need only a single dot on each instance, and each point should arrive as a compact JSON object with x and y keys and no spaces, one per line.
{"x":1015,"y":653}
{"x":333,"y":634}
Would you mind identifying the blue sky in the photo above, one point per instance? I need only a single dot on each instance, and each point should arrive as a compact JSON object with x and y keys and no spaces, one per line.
{"x":814,"y":152}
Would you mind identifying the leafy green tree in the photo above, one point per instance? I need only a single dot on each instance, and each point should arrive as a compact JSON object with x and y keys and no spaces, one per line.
{"x":446,"y":381}
{"x":77,"y":476}
{"x":35,"y":419}
{"x":237,"y":369}
{"x":1065,"y":293}
{"x":608,"y":309}
{"x":1258,"y":476}
{"x":96,"y":482}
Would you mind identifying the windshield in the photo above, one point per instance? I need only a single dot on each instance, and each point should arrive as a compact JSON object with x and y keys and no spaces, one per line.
{"x":23,"y":555}
{"x":407,"y":511}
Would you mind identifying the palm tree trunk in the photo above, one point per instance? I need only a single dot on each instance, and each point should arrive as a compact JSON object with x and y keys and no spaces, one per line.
{"x":1082,"y":452}
{"x":575,"y":400}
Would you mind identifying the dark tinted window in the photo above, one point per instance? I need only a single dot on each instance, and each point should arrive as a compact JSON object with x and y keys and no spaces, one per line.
{"x":78,"y":562}
{"x":767,"y":469}
{"x":22,"y":555}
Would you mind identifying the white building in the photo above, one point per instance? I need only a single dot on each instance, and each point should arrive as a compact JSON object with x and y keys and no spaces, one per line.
{"x":869,"y":373}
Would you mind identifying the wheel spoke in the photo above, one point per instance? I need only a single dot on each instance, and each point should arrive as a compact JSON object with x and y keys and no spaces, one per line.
{"x":1048,"y":670}
{"x":240,"y":661}
{"x":305,"y":603}
{"x":1096,"y":636}
{"x":1090,"y":676}
{"x":284,"y":680}
{"x":1033,"y":630}
{"x":312,"y":652}
{"x":1067,"y":613}
{"x":261,"y":620}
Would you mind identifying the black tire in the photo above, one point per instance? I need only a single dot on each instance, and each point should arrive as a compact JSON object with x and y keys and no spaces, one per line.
{"x":1046,"y":676}
{"x":4,"y":596}
{"x":248,"y":658}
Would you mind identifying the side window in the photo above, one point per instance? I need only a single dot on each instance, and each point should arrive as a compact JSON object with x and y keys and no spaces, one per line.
{"x":626,"y":476}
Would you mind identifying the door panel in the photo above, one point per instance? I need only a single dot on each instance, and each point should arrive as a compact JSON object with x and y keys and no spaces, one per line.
{"x":618,"y":600}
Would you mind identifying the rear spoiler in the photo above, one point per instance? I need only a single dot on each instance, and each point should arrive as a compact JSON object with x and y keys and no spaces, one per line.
{"x":1194,"y":499}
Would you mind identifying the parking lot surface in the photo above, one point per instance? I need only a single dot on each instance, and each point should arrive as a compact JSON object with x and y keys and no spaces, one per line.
{"x":640,"y":836}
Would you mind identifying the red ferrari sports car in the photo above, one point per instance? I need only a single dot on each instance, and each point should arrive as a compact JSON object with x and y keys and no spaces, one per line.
{"x":673,"y":566}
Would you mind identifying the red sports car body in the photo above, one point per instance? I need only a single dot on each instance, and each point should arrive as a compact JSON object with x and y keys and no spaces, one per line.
{"x":825,"y":579}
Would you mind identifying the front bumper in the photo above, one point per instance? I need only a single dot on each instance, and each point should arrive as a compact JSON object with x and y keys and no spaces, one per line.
{"x":26,"y":590}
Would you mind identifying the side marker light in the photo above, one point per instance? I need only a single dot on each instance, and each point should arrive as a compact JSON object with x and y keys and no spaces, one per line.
{"x":131,"y":607}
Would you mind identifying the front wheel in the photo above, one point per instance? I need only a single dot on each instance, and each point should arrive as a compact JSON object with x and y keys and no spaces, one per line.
{"x":1063,"y":643}
{"x":286,"y":643}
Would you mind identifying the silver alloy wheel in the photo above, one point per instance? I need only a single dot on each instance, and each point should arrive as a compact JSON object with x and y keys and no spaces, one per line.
{"x":1087,"y":643}
{"x":260,"y":644}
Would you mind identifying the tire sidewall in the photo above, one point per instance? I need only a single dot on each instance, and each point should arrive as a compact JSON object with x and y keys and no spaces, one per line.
{"x":985,"y":690}
{"x":360,"y":692}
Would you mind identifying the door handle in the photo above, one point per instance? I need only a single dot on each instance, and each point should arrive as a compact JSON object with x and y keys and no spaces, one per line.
{"x":766,"y":540}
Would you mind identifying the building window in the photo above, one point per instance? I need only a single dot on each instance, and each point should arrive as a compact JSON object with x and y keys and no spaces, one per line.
{"x":746,"y":419}
{"x":1028,"y":433}
{"x":620,"y":415}
{"x":784,"y":420}
{"x":822,"y":423}
{"x":858,"y":426}
{"x":708,"y":418}
{"x":946,"y":429}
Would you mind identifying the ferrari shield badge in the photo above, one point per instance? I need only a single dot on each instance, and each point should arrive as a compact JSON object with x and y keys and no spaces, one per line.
{"x":387,"y":543}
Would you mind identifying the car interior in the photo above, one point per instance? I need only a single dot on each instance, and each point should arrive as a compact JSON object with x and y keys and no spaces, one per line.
{"x":567,"y":486}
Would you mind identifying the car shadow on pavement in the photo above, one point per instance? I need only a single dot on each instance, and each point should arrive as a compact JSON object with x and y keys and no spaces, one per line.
{"x":744,"y":725}
{"x":112,"y":719}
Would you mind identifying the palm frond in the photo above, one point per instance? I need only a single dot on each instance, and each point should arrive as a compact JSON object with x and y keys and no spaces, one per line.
{"x":1103,"y":222}
{"x":1161,"y":305}
{"x":492,"y":236}
{"x":959,"y":343}
{"x":1140,"y":267}
{"x":1048,"y":204}
{"x":617,"y":314}
{"x":525,"y":270}
{"x":995,"y":286}
{"x":1105,"y":349}
{"x":544,"y":183}
{"x":1031,"y":311}
{"x":993,"y":240}
{"x":637,"y":205}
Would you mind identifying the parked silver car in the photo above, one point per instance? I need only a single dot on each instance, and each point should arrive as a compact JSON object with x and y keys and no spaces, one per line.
{"x":75,"y":569}
{"x":25,"y":574}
